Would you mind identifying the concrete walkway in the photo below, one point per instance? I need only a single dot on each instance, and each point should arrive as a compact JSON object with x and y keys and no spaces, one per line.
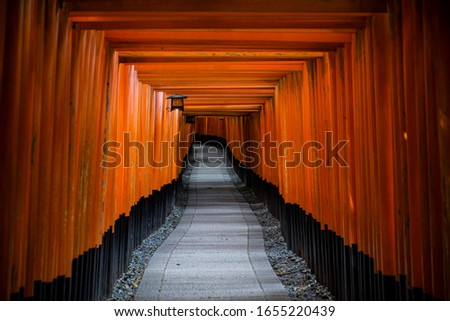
{"x":216,"y":252}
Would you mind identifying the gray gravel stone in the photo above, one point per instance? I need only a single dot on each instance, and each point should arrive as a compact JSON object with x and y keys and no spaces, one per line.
{"x":126,"y":286}
{"x":293,"y":272}
{"x":300,"y":283}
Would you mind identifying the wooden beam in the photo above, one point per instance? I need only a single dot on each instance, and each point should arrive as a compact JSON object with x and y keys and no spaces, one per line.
{"x":242,"y":55}
{"x":78,"y":7}
{"x":223,"y":106}
{"x":220,"y":66}
{"x":305,"y":19}
{"x":223,"y":35}
{"x":213,"y":83}
{"x":220,"y":113}
{"x":220,"y":91}
{"x":341,"y":25}
{"x":224,"y":45}
{"x":213,"y":75}
{"x":205,"y":101}
{"x":222,"y":96}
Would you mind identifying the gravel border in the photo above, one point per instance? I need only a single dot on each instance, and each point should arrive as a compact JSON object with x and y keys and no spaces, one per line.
{"x":300,"y":283}
{"x":292,"y":270}
{"x":125,"y":288}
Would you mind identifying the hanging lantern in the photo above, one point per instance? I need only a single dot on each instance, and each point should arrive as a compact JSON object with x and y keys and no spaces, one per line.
{"x":190,"y":119}
{"x":176,"y":102}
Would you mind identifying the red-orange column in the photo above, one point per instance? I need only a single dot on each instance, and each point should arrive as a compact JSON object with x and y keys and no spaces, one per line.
{"x":385,"y":152}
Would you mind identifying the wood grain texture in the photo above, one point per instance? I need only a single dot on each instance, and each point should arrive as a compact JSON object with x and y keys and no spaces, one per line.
{"x":282,"y":74}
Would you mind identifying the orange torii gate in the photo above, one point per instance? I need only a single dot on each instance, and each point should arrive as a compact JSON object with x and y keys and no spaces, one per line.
{"x":79,"y":74}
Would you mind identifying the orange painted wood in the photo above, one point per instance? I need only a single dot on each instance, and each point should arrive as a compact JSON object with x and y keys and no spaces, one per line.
{"x":436,"y":71}
{"x":207,"y":20}
{"x":56,"y":199}
{"x":244,"y":55}
{"x":366,"y":93}
{"x":293,"y":70}
{"x":227,"y":6}
{"x":3,"y":15}
{"x":185,"y":67}
{"x":385,"y":150}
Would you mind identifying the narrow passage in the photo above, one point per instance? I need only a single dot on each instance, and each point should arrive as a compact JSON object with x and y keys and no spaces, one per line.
{"x":217,"y":250}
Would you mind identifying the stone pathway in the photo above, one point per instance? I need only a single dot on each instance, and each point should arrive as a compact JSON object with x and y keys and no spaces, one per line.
{"x":217,"y":250}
